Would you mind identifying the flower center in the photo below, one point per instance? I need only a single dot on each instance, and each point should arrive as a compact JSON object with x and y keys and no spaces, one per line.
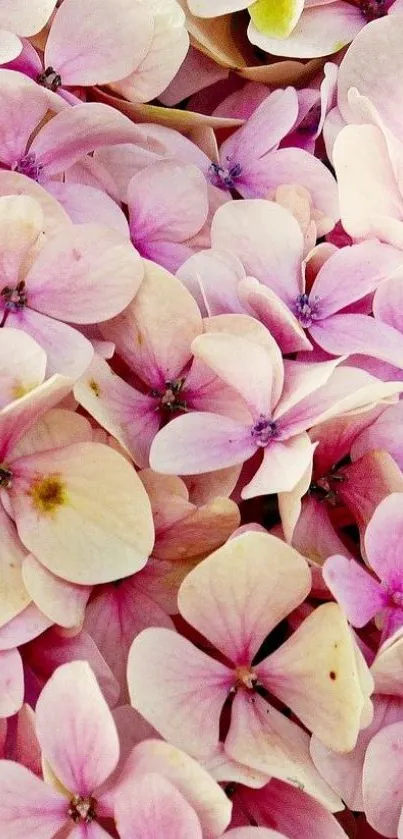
{"x":82,"y":809}
{"x":306,"y":310}
{"x":29,"y":167}
{"x":13,"y":299}
{"x":169,"y":399}
{"x":245,"y":678}
{"x":6,"y":477}
{"x":224,"y":177}
{"x":49,"y":79}
{"x":397,"y":598}
{"x":264,"y":430}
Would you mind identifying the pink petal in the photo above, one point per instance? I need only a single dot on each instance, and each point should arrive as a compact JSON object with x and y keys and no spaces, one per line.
{"x":289,"y":809}
{"x":47,"y":653}
{"x":320,"y":31}
{"x":283,"y":465}
{"x":130,"y":416}
{"x":178,"y":689}
{"x":85,"y":275}
{"x":258,"y":570}
{"x":360,"y":595}
{"x":115,"y":615}
{"x":369,"y":264}
{"x":387,"y":304}
{"x":74,"y":132}
{"x":26,"y":20}
{"x":255,"y":833}
{"x":23,"y":104}
{"x":75,"y":729}
{"x":270,"y":247}
{"x":68,"y":352}
{"x":20,"y":415}
{"x":21,"y":224}
{"x":383,"y":541}
{"x":262,"y":132}
{"x":251,"y":376}
{"x":63,"y":603}
{"x":295,"y":166}
{"x":345,"y":333}
{"x":377,"y":78}
{"x":383,"y":779}
{"x":370,"y":201}
{"x":67,"y":45}
{"x":323,"y":687}
{"x":26,"y":625}
{"x":22,"y":365}
{"x":154,"y":334}
{"x":301,"y":381}
{"x":195,"y":784}
{"x":200,"y":442}
{"x":382,"y":434}
{"x":167,"y":202}
{"x":13,"y":183}
{"x":212,"y":278}
{"x":156,"y":809}
{"x":344,"y":771}
{"x":89,"y":537}
{"x":58,"y":427}
{"x":29,"y":807}
{"x":84,"y":204}
{"x":264,"y":739}
{"x":274,"y":314}
{"x":11,"y":684}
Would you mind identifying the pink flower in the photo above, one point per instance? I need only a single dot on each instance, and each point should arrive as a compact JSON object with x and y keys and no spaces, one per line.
{"x":153,"y":336}
{"x":284,"y":399}
{"x":60,"y":278}
{"x":234,"y":599}
{"x":332,"y":311}
{"x":360,"y":594}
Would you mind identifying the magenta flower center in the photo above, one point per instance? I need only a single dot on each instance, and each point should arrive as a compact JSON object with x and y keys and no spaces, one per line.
{"x":170,"y":398}
{"x":264,"y":430}
{"x":82,"y":809}
{"x":14,"y":299}
{"x":397,"y":598}
{"x":225,"y":176}
{"x":49,"y":79}
{"x":28,"y":166}
{"x":306,"y":310}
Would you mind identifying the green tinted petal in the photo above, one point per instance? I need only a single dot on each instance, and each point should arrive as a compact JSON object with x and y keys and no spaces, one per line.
{"x":276,"y":18}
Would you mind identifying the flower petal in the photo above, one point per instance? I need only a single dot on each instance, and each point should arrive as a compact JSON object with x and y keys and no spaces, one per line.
{"x":383,"y":779}
{"x":154,"y":809}
{"x":178,"y":689}
{"x":67,"y":44}
{"x":239,"y":594}
{"x":75,"y":729}
{"x":200,"y":442}
{"x":360,"y":595}
{"x":63,"y":603}
{"x":284,"y":464}
{"x":11,"y":684}
{"x":78,"y":533}
{"x":384,"y":539}
{"x":28,"y":806}
{"x":319,"y":680}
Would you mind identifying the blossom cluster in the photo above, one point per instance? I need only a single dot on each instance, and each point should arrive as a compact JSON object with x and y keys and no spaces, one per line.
{"x":201,"y":419}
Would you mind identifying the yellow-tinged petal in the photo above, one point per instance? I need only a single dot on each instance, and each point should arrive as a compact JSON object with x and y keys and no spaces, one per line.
{"x":317,"y":674}
{"x":276,"y":18}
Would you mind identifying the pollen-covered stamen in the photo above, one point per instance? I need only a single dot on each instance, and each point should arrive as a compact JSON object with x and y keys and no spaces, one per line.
{"x":245,"y":678}
{"x":225,"y":176}
{"x":49,"y":79}
{"x":82,"y":809}
{"x":6,"y":477}
{"x":29,"y":167}
{"x":325,"y":488}
{"x":306,"y":309}
{"x":169,"y":399}
{"x":14,"y":299}
{"x":264,"y":430}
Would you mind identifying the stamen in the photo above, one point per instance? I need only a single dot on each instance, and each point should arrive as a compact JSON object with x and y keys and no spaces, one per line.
{"x":82,"y":809}
{"x":14,"y":299}
{"x":306,"y":309}
{"x":169,"y":399}
{"x":6,"y":477}
{"x":264,"y":430}
{"x":29,"y":167}
{"x":224,"y":177}
{"x":49,"y":79}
